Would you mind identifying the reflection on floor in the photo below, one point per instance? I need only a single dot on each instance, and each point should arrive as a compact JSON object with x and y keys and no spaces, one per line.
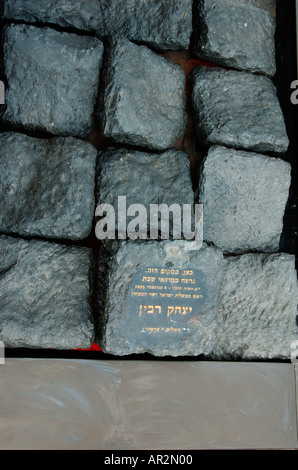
{"x":84,"y":404}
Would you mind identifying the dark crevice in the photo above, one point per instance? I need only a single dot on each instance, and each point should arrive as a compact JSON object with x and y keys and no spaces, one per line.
{"x":86,"y":242}
{"x":200,"y":28}
{"x":78,"y":32}
{"x":6,"y":126}
{"x":5,"y":270}
{"x":55,"y":26}
{"x":1,"y":8}
{"x":98,"y":355}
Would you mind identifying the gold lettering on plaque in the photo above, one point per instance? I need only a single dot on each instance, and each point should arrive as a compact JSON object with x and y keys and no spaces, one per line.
{"x":158,"y":294}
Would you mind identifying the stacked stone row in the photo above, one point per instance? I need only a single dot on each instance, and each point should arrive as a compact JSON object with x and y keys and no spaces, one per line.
{"x":244,"y":185}
{"x":53,"y":66}
{"x":56,"y":81}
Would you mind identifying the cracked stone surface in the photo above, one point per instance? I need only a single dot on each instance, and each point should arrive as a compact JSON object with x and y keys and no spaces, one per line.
{"x":237,"y":33}
{"x":53,"y":79}
{"x":144,"y":178}
{"x":45,"y":295}
{"x":162,"y":24}
{"x":133,"y":320}
{"x":46,"y":186}
{"x":143,"y":103}
{"x":258,"y":307}
{"x":244,"y":196}
{"x":238,"y":109}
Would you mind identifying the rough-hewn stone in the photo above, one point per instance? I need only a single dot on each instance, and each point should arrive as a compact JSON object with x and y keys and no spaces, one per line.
{"x":81,"y":14}
{"x":144,"y":178}
{"x":162,"y":24}
{"x":47,"y":186}
{"x":237,"y":33}
{"x":53,"y":79}
{"x":143,"y":102}
{"x":257,"y":307}
{"x":244,"y":196}
{"x":45,"y":295}
{"x":238,"y":109}
{"x":162,"y":317}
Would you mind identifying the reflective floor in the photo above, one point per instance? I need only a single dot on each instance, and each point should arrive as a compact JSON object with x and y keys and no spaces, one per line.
{"x":89,"y":404}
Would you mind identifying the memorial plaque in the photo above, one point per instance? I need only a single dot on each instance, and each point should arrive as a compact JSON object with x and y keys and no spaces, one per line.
{"x":159,"y":298}
{"x":165,"y":300}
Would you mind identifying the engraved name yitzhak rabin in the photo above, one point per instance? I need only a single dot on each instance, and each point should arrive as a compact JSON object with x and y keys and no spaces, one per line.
{"x":163,"y":300}
{"x":160,"y":298}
